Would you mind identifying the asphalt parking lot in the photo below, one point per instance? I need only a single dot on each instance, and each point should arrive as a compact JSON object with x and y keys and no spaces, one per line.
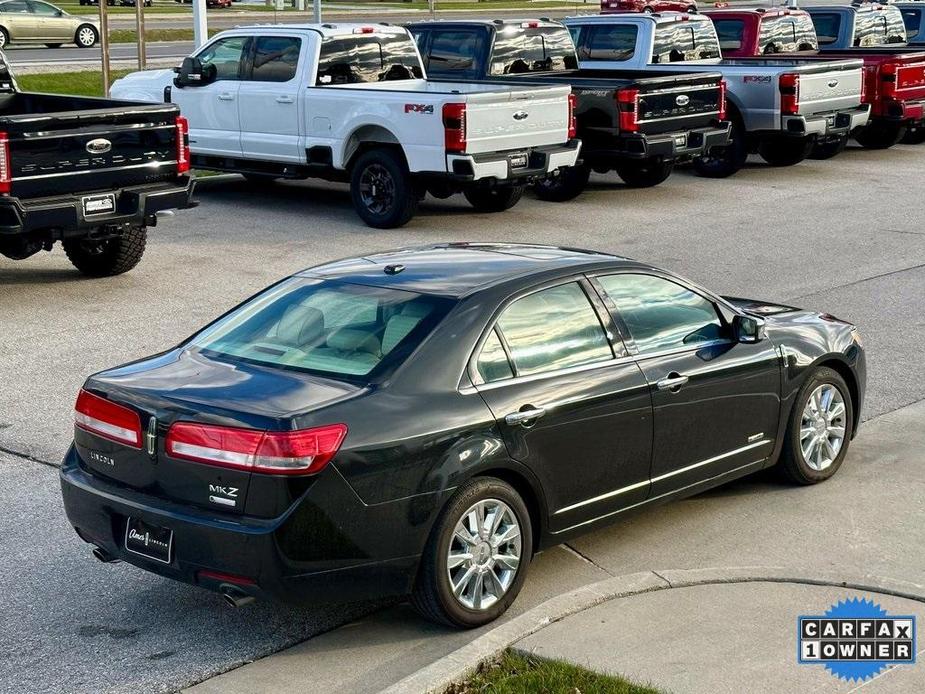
{"x":845,"y":236}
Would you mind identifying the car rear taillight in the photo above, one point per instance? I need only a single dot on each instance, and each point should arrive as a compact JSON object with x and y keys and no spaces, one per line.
{"x":454,"y":127}
{"x":6,"y":166}
{"x":789,"y":94}
{"x":107,"y":419}
{"x":183,"y":153}
{"x":628,"y":107}
{"x":888,"y":76}
{"x":301,"y":452}
{"x":722,"y":100}
{"x":572,"y":121}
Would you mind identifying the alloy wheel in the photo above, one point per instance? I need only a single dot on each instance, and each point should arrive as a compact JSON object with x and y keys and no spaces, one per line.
{"x":484,"y":553}
{"x":377,"y":189}
{"x":822,"y":427}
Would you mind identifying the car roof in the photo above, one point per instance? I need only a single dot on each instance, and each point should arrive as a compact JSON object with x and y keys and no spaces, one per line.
{"x":656,"y":17}
{"x":328,"y":30}
{"x":458,"y":269}
{"x":530,"y":23}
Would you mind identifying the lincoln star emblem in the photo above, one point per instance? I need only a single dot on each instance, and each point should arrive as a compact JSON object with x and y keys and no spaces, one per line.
{"x":99,"y":146}
{"x":151,"y":437}
{"x":682,"y":100}
{"x":520,"y":115}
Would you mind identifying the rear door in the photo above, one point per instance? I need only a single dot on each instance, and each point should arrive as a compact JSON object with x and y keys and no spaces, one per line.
{"x":51,"y":23}
{"x":19,"y":20}
{"x":268,"y":100}
{"x":716,"y":401}
{"x":569,"y":402}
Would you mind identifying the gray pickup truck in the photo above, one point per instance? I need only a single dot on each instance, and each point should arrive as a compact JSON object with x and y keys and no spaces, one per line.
{"x":785,"y":109}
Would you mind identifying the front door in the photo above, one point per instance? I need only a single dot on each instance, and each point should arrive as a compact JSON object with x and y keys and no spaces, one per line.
{"x":569,"y":402}
{"x":269,"y":101}
{"x":212,"y":109}
{"x":716,"y":401}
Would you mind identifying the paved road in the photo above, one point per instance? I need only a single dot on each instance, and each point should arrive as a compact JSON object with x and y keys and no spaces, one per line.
{"x":844,"y":236}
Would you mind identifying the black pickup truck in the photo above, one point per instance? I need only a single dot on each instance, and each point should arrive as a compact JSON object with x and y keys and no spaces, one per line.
{"x":630,"y":122}
{"x":91,"y":173}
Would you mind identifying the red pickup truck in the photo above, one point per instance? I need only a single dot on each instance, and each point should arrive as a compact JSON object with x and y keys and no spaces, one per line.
{"x":894,"y":74}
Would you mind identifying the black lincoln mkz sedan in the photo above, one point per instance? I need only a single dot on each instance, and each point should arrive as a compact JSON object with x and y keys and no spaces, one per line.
{"x":424,"y":421}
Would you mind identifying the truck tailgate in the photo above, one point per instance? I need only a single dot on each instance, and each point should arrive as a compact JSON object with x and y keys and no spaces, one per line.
{"x":516,"y":118}
{"x":831,"y":89}
{"x":69,"y":150}
{"x":904,"y":80}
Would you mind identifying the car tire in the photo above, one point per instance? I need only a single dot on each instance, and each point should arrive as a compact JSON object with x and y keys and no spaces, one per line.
{"x":914,"y":135}
{"x":879,"y":135}
{"x":382,"y":191}
{"x":785,"y":151}
{"x":567,"y":185}
{"x":4,"y":38}
{"x":800,"y":462}
{"x":86,"y":36}
{"x":722,"y":162}
{"x":495,"y":199}
{"x":433,"y":594}
{"x":828,"y":149}
{"x":107,"y":257}
{"x":645,"y":174}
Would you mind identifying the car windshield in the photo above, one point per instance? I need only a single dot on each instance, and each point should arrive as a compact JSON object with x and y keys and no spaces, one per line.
{"x":327,"y":327}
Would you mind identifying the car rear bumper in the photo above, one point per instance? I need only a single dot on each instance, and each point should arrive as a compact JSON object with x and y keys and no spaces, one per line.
{"x":327,"y":547}
{"x":541,"y":161}
{"x":893,"y":111}
{"x":676,"y":145}
{"x":832,"y":124}
{"x":135,"y":205}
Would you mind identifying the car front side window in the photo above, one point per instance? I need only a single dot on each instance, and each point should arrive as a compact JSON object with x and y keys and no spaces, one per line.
{"x":226,"y":55}
{"x":661,"y":314}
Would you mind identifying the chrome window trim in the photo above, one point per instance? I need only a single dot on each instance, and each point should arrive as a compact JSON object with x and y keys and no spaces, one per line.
{"x":148,"y":165}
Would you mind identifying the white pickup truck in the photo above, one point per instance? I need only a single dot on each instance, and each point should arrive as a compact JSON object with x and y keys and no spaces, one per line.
{"x":783,"y":108}
{"x":349,"y":102}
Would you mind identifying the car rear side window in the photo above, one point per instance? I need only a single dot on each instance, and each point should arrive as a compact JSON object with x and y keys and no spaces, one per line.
{"x":368,"y":58}
{"x":493,"y":364}
{"x":15,"y":7}
{"x":325,"y":327}
{"x":553,"y":329}
{"x":617,"y":42}
{"x":661,"y":314}
{"x":730,"y":33}
{"x":275,"y":58}
{"x":677,"y":42}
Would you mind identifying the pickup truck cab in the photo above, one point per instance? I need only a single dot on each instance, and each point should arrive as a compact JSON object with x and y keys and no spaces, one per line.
{"x":349,"y":102}
{"x":679,"y":115}
{"x":894,"y":73}
{"x":89,"y":173}
{"x":913,"y":14}
{"x":779,"y":107}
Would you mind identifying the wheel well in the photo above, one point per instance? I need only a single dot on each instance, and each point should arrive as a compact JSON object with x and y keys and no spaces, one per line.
{"x":366,"y":138}
{"x":523,"y":487}
{"x":846,"y":373}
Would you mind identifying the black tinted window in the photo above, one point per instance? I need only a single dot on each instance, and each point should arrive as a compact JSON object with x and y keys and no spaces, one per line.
{"x":16,"y":6}
{"x":225,"y":55}
{"x":661,"y":314}
{"x":730,"y":32}
{"x":493,"y":364}
{"x":368,"y":58}
{"x":517,"y":50}
{"x":44,"y":9}
{"x":913,"y":20}
{"x":827,"y":26}
{"x":685,"y":40}
{"x":275,"y":58}
{"x":553,"y":329}
{"x":617,"y":42}
{"x":455,"y":50}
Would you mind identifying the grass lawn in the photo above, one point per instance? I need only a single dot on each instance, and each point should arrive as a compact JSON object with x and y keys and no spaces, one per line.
{"x":79,"y":83}
{"x":151,"y":35}
{"x":518,"y":674}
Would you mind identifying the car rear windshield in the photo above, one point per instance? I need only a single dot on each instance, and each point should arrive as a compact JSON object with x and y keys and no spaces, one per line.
{"x":881,"y":27}
{"x":368,"y":58}
{"x":677,"y":42}
{"x":326,"y":327}
{"x":787,"y":34}
{"x":545,"y":49}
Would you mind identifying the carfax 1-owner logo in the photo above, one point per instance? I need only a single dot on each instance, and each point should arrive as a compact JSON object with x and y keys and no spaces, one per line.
{"x":856,"y":639}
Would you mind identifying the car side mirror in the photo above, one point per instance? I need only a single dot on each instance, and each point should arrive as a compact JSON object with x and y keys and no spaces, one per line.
{"x":749,"y":329}
{"x":191,"y":73}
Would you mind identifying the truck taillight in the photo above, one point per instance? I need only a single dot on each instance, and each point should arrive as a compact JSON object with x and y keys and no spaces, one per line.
{"x":6,"y":166}
{"x":107,"y":419}
{"x":722,"y":101}
{"x":889,"y":76}
{"x":300,"y":452}
{"x":454,"y":127}
{"x":789,"y":94}
{"x":628,"y":107}
{"x":572,"y":120}
{"x":183,"y":153}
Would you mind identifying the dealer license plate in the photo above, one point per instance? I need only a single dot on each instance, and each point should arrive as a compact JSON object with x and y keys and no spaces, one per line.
{"x":680,"y":141}
{"x":518,"y":161}
{"x":149,"y":540}
{"x":99,"y":204}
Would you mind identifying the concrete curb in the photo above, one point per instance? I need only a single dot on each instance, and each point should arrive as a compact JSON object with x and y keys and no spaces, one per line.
{"x":458,"y":665}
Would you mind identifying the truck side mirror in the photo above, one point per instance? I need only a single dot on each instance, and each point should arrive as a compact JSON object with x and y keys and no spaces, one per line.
{"x":191,"y":73}
{"x":748,"y":329}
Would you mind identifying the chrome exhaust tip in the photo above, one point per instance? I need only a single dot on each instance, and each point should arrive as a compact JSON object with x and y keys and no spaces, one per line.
{"x":104,"y":556}
{"x":235,"y":597}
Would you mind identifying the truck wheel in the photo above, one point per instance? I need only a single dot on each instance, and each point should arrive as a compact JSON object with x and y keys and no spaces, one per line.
{"x":381,"y":188}
{"x":107,"y":257}
{"x":914,"y":135}
{"x":879,"y":135}
{"x":828,"y":149}
{"x":785,"y":151}
{"x":476,"y":558}
{"x":497,"y":199}
{"x":86,"y":36}
{"x":568,"y":184}
{"x":645,"y":174}
{"x":722,"y":162}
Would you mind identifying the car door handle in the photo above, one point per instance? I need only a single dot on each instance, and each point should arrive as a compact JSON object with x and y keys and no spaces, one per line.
{"x":672,"y":382}
{"x":525,"y":416}
{"x":226,"y":96}
{"x":284,"y":99}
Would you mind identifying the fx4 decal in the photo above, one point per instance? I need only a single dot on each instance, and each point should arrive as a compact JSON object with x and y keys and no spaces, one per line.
{"x":419,"y":108}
